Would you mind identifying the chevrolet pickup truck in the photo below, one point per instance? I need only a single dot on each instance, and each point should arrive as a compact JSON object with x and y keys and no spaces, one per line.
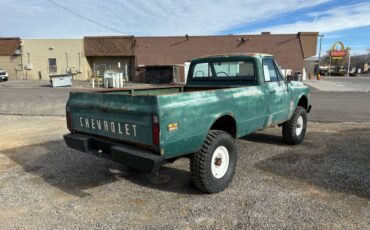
{"x":225,"y":97}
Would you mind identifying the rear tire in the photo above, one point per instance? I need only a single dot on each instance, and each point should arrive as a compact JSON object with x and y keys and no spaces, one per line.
{"x":294,"y":130}
{"x":213,"y":166}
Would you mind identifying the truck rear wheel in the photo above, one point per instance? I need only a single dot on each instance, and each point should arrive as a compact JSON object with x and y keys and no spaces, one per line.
{"x":213,"y":166}
{"x":294,"y":130}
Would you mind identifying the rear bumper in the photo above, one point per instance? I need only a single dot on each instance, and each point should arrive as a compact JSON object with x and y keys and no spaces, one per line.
{"x":133,"y":157}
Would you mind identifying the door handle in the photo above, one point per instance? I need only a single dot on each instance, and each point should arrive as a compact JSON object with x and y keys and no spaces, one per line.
{"x":273,"y":91}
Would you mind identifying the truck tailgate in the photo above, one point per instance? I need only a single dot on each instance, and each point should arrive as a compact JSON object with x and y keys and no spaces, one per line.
{"x":121,"y":117}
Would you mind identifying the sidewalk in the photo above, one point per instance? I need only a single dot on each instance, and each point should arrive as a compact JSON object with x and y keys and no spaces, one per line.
{"x":323,"y":85}
{"x":340,"y":84}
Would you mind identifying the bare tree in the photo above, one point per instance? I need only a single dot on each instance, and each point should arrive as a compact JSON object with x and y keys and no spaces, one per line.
{"x":325,"y":58}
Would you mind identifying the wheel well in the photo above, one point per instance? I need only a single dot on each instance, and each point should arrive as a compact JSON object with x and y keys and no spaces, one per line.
{"x":226,"y":123}
{"x":303,"y":102}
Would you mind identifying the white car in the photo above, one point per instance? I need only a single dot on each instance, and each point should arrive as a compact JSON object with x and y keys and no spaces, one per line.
{"x":3,"y":75}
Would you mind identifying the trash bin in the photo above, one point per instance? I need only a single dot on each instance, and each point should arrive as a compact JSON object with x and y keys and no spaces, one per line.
{"x":297,"y":76}
{"x":60,"y":80}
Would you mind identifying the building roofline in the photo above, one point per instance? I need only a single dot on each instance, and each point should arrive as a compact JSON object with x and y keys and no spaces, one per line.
{"x":10,"y":38}
{"x":233,"y":55}
{"x":25,"y":39}
{"x":118,"y":36}
{"x":309,"y":33}
{"x":228,"y":35}
{"x":174,"y":36}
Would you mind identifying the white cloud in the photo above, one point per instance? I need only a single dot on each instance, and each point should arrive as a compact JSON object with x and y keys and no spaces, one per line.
{"x":336,"y":19}
{"x":334,"y":36}
{"x":39,"y":18}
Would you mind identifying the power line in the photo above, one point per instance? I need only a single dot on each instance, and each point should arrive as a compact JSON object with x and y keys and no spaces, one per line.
{"x":84,"y":17}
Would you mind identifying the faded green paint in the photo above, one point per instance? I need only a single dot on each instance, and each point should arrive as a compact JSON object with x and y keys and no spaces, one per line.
{"x":251,"y":104}
{"x":116,"y":108}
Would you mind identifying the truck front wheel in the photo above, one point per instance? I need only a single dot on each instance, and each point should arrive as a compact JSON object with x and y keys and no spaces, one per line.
{"x":213,"y":166}
{"x":294,"y":130}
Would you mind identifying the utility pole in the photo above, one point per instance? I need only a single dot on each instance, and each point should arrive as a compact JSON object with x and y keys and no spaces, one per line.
{"x":349,"y":61}
{"x":318,"y":69}
{"x":330,"y":65}
{"x":28,"y":63}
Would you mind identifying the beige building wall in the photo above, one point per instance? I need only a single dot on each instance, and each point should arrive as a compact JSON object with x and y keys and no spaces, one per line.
{"x":12,"y":65}
{"x":69,"y":55}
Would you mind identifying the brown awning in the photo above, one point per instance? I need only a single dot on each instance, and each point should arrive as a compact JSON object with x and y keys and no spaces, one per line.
{"x":109,"y":46}
{"x":8,"y":46}
{"x":308,"y":43}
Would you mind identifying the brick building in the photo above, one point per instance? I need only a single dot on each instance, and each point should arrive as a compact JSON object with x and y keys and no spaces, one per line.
{"x":144,"y":59}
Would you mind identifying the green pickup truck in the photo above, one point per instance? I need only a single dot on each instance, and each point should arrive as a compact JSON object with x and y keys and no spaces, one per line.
{"x":225,"y":97}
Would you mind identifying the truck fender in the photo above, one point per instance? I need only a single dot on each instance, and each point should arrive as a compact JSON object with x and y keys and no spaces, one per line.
{"x":303,"y":101}
{"x":225,"y":122}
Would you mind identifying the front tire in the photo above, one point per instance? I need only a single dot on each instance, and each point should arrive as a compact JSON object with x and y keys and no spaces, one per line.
{"x":213,"y":166}
{"x":294,"y":130}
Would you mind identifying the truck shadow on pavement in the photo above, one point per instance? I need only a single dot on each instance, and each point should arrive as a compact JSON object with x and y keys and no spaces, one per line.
{"x":341,"y":163}
{"x":265,"y":138}
{"x":74,"y":172}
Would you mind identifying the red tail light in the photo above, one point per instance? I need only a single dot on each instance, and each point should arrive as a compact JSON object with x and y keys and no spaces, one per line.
{"x":156,"y":130}
{"x":69,"y":120}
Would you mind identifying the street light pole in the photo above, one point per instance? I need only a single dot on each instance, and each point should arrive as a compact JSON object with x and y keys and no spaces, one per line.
{"x":349,"y":61}
{"x":330,"y":66}
{"x":318,"y":69}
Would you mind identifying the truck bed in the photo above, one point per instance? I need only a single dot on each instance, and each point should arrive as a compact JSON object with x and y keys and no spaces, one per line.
{"x":127,"y":115}
{"x":121,"y":114}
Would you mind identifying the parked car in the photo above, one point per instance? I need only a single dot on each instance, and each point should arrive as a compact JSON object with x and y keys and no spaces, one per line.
{"x":3,"y":75}
{"x":225,"y":97}
{"x":324,"y":72}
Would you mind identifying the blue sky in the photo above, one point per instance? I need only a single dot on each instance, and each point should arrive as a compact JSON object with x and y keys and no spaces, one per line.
{"x":347,"y":21}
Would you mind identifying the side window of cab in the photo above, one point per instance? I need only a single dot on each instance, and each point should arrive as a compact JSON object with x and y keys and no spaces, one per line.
{"x":202,"y":70}
{"x":270,"y":70}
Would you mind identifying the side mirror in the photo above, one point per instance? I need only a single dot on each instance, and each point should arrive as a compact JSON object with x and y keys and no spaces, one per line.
{"x":289,"y":78}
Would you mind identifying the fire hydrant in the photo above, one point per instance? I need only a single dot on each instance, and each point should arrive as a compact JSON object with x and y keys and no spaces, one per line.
{"x":318,"y":77}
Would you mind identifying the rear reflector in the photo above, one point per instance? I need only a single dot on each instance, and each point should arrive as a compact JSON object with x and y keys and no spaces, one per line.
{"x":156,"y":131}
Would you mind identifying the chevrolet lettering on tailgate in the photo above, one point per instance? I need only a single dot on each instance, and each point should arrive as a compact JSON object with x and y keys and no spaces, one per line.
{"x":108,"y":126}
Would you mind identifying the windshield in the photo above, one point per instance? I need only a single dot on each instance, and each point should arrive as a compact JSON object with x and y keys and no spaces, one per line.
{"x":228,"y":70}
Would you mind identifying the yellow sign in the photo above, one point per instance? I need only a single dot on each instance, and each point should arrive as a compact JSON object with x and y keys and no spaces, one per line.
{"x":336,"y":53}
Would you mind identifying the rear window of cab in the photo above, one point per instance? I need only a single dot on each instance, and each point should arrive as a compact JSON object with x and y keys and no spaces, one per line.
{"x":224,"y":70}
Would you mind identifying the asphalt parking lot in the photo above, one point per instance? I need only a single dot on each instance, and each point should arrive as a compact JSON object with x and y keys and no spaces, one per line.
{"x":322,"y":183}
